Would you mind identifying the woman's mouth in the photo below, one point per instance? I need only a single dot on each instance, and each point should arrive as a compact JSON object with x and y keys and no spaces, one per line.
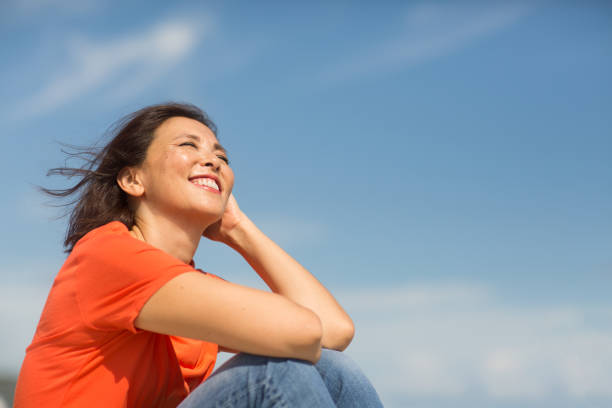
{"x":206,"y":182}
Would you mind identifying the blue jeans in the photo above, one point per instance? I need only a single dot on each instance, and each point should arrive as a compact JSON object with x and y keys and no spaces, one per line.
{"x":255,"y":381}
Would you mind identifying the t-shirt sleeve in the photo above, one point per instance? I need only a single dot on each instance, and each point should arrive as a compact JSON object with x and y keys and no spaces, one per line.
{"x":116,"y":274}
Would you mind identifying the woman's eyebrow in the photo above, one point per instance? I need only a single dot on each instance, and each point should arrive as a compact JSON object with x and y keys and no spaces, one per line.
{"x":189,"y":136}
{"x":216,"y":146}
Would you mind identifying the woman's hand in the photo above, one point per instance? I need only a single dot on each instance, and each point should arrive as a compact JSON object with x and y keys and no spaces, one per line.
{"x":283,"y":274}
{"x":232,"y":216}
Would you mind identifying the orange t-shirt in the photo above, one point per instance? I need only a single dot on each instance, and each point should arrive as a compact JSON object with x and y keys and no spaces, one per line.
{"x":86,"y":351}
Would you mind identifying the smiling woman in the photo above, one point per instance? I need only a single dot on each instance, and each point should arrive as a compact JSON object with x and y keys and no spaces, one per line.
{"x":130,"y":322}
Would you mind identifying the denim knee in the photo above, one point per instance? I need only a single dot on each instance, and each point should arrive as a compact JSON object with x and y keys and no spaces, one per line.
{"x":337,"y":364}
{"x":346,"y":383}
{"x":257,"y":381}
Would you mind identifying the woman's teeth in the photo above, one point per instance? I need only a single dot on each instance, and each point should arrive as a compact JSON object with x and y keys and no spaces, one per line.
{"x":206,"y":182}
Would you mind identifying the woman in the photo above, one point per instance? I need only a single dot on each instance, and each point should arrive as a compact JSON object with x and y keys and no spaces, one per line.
{"x":129,"y":322}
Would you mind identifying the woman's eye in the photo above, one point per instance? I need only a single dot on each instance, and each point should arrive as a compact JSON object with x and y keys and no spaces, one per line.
{"x":189,"y":144}
{"x":224,"y":158}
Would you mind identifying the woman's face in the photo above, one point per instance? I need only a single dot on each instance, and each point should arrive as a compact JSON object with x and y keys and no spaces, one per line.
{"x":186,"y":172}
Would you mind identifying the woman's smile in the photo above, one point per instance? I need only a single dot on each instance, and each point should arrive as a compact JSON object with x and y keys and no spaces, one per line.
{"x":209,"y":183}
{"x":185,"y":150}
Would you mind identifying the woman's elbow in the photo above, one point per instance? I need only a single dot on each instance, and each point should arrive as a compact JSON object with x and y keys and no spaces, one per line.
{"x":310,"y":337}
{"x":348,"y":332}
{"x":340,"y":335}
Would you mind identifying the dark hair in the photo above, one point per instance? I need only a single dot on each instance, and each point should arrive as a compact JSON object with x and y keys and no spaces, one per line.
{"x":100,"y":199}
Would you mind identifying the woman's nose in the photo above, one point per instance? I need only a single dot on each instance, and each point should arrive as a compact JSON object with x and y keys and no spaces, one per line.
{"x":211,"y":160}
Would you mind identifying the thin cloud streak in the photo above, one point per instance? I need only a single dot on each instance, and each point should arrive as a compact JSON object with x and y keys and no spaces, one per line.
{"x":148,"y":55}
{"x":461,"y":341}
{"x":429,"y":31}
{"x":456,"y":341}
{"x":293,"y":232}
{"x":20,"y":308}
{"x":33,"y":7}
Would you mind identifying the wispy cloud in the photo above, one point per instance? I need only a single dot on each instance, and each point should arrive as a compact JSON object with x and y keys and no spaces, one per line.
{"x":464,"y":343}
{"x":20,"y":308}
{"x":38,"y":6}
{"x":429,"y":31}
{"x":142,"y":58}
{"x":459,"y":342}
{"x":31,"y":204}
{"x":291,"y":232}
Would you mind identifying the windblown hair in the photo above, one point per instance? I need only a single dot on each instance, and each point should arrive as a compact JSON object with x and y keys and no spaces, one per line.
{"x":98,"y":199}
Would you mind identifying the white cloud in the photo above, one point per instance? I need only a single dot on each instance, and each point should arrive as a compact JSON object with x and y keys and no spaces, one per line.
{"x":20,"y":308}
{"x":458,"y":341}
{"x":145,"y":56}
{"x":72,"y":6}
{"x":429,"y":31}
{"x":32,"y":204}
{"x":455,"y":341}
{"x":24,"y":285}
{"x":291,"y":232}
{"x":408,"y":297}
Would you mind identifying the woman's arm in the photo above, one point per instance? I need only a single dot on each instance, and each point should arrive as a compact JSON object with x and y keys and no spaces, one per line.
{"x":283,"y":274}
{"x":240,"y":318}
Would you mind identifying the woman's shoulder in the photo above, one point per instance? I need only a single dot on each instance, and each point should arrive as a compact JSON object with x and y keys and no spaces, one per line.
{"x":112,"y":245}
{"x":109,"y":244}
{"x":113,"y":227}
{"x":112,"y":231}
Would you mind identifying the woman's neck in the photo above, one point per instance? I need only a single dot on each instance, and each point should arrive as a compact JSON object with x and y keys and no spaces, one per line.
{"x":179,"y":239}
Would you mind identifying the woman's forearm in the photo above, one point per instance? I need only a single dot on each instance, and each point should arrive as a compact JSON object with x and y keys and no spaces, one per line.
{"x":285,"y":276}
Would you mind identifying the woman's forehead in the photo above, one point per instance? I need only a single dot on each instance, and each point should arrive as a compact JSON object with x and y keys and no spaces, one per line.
{"x":179,"y":126}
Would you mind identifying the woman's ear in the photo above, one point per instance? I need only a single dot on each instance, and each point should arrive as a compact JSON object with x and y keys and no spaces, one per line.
{"x":129,"y":181}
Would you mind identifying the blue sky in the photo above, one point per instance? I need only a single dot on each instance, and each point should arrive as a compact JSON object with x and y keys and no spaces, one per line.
{"x":442,"y":166}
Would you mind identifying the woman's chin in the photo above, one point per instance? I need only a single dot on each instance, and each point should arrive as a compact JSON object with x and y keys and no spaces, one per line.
{"x":210,"y":216}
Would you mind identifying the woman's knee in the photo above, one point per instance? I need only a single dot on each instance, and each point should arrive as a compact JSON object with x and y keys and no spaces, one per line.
{"x":337,"y":362}
{"x":346,"y":383}
{"x":248,"y":380}
{"x":263,"y":366}
{"x":256,"y":369}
